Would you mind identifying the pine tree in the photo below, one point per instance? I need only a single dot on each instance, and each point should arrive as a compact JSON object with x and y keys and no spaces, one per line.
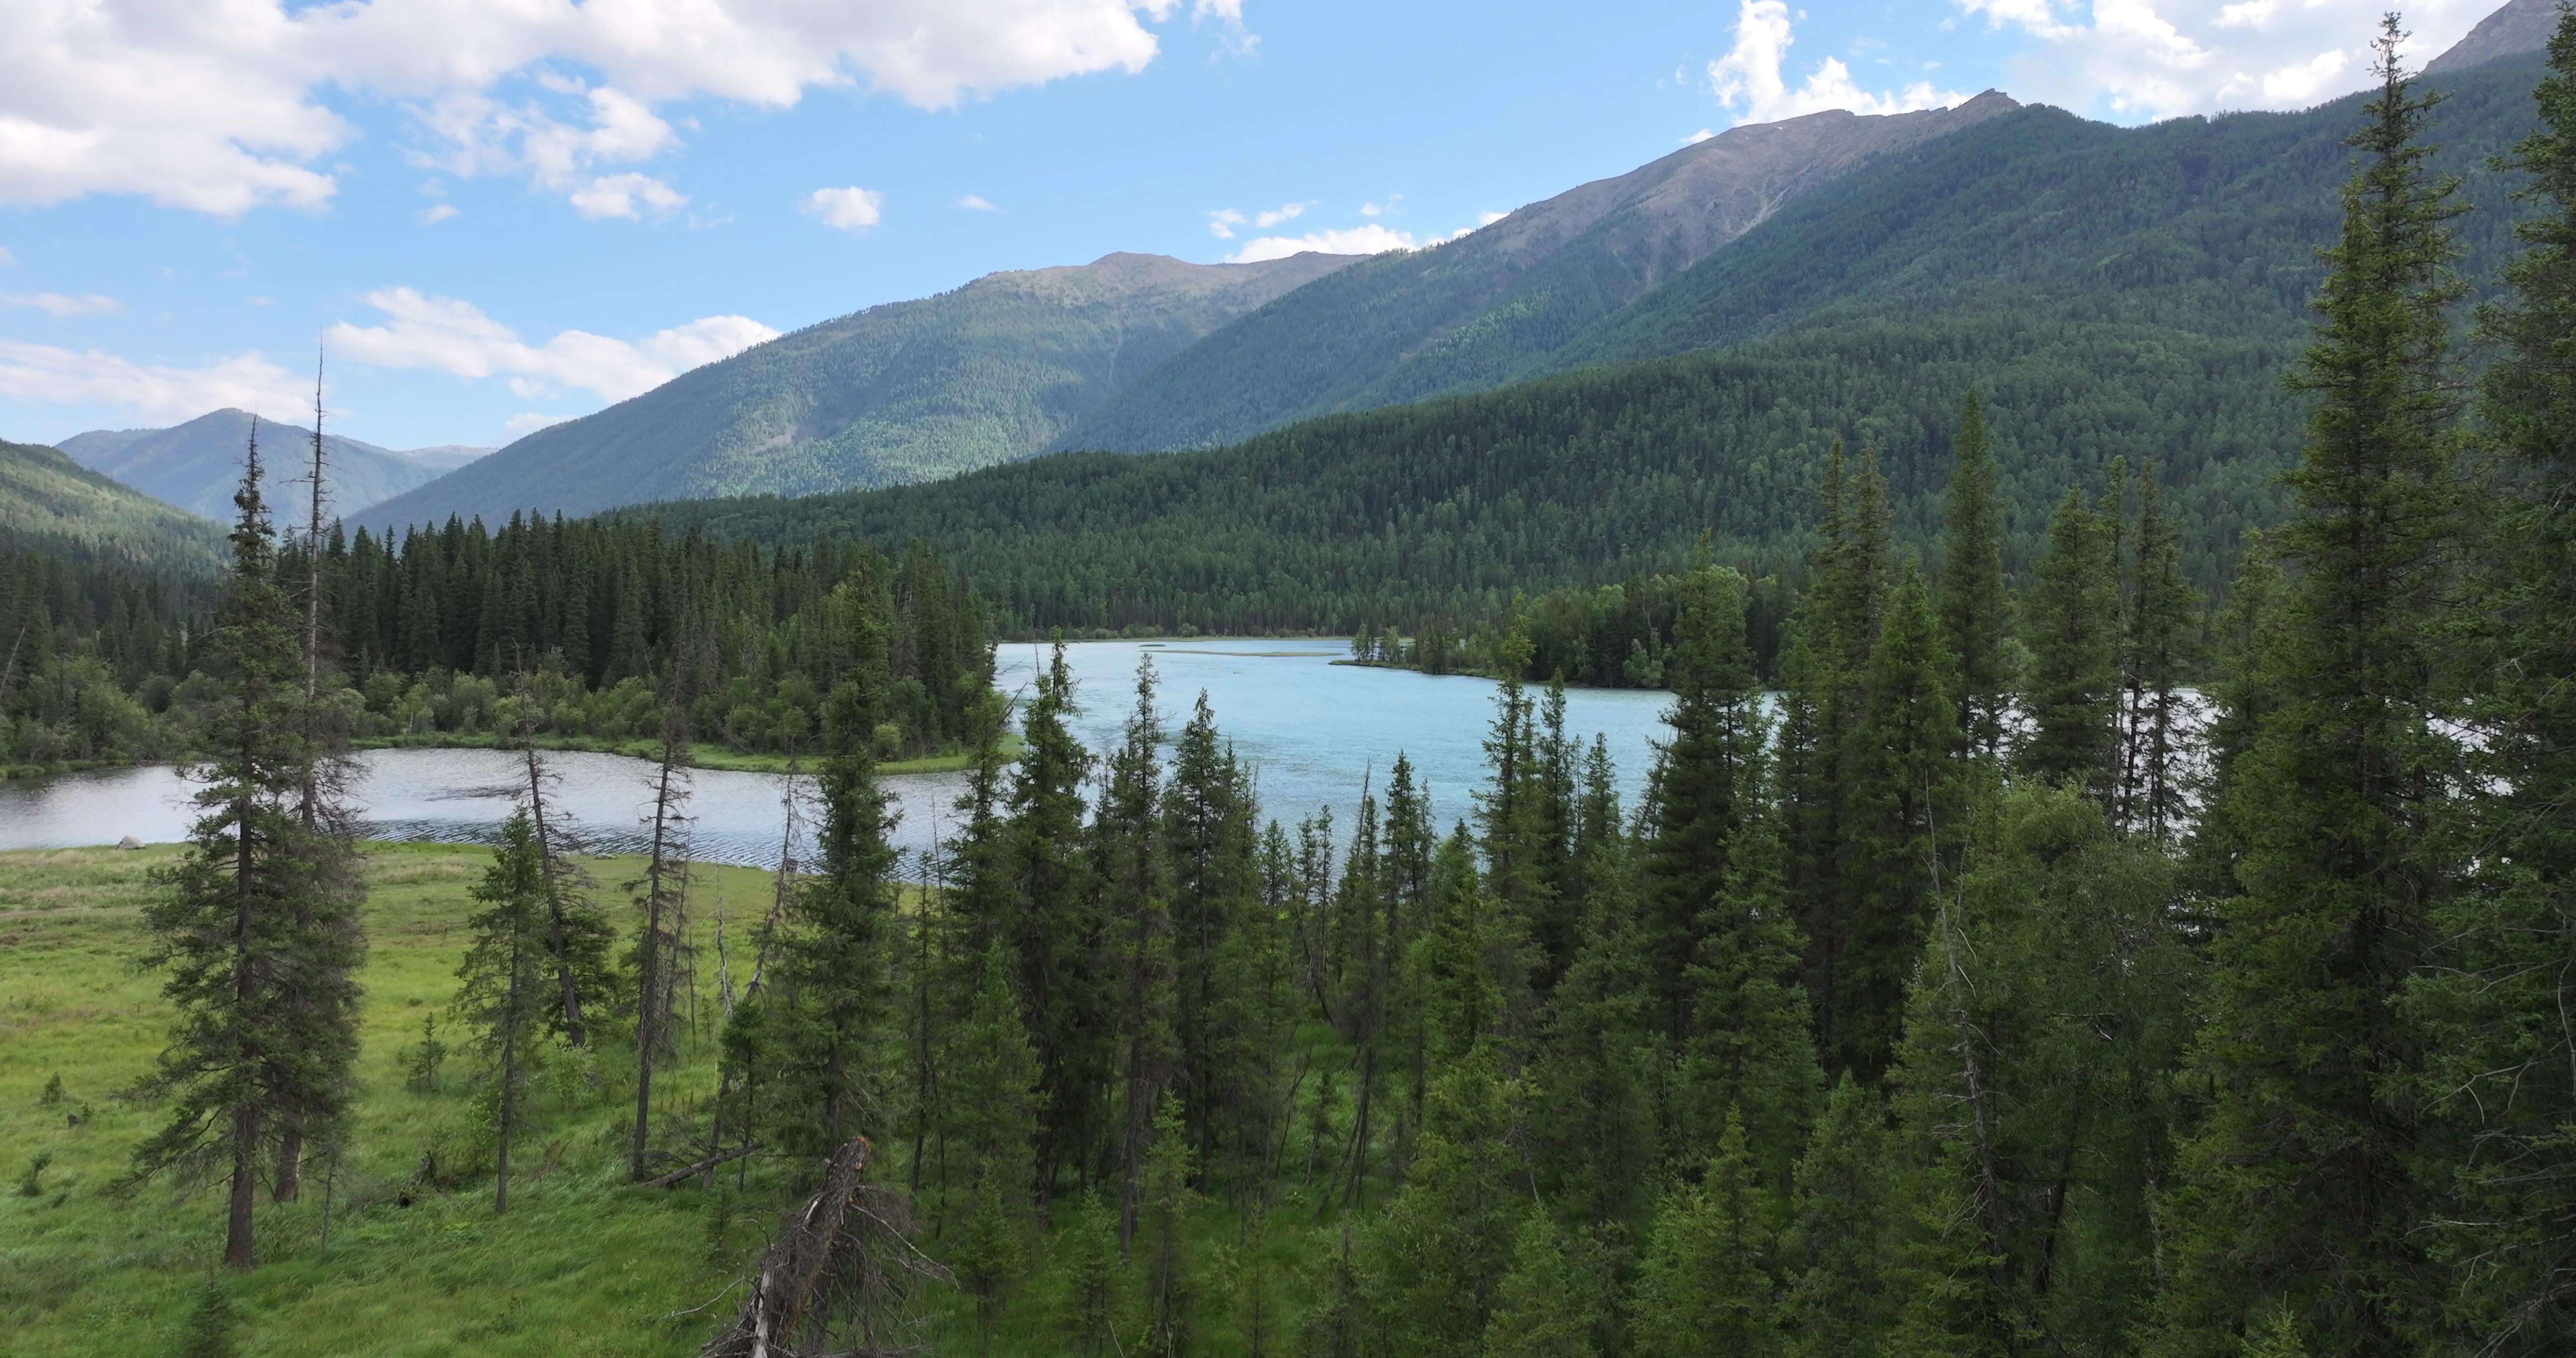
{"x":2074,"y":640}
{"x":502,"y":997}
{"x":1539,"y":1309}
{"x":1706,"y":1285}
{"x":2301,"y":1180}
{"x":249,"y":914}
{"x":1976,"y":612}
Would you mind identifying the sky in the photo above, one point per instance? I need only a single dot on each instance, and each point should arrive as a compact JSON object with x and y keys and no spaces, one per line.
{"x":490,"y":215}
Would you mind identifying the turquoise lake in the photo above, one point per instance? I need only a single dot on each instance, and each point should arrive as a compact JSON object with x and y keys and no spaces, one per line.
{"x":1312,"y":730}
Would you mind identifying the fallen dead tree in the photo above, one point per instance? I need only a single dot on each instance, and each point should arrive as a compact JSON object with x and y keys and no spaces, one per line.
{"x":841,"y":1280}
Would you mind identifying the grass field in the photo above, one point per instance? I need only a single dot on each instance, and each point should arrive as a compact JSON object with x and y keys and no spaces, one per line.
{"x":583,"y":1264}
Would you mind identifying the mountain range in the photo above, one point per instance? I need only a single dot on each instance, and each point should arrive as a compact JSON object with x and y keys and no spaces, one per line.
{"x":197,"y":465}
{"x":910,"y":391}
{"x":2191,"y":237}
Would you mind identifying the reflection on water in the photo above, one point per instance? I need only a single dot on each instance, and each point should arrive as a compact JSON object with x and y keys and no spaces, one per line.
{"x":1312,"y":731}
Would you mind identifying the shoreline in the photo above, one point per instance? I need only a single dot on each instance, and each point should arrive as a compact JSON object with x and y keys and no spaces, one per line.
{"x":703,"y":756}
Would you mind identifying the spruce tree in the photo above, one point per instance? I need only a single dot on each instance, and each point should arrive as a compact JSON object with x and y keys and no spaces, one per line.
{"x":2158,"y":656}
{"x":2301,"y":1182}
{"x":990,"y":1076}
{"x":1439,"y":1252}
{"x":830,"y":1021}
{"x":1841,"y":1296}
{"x":2504,"y":1060}
{"x":1055,"y":925}
{"x":1708,"y":785}
{"x":502,"y":997}
{"x":249,"y":917}
{"x":1706,"y":1285}
{"x":1539,"y":1307}
{"x":1170,"y":1301}
{"x":1131,"y":878}
{"x":2074,"y":640}
{"x":1976,"y":612}
{"x":1594,"y":1081}
{"x":1752,"y":1054}
{"x":1904,"y":831}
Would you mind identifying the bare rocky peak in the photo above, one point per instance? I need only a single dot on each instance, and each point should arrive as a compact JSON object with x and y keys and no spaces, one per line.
{"x":1128,"y":277}
{"x":1713,"y":191}
{"x":2522,"y":26}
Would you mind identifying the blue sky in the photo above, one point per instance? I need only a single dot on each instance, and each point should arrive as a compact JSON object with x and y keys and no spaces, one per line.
{"x":504,"y":212}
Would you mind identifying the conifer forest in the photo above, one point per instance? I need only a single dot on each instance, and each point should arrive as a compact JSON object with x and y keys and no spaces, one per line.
{"x":2073,"y":938}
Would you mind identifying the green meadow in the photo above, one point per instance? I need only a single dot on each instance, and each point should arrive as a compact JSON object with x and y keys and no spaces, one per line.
{"x":415,"y":1263}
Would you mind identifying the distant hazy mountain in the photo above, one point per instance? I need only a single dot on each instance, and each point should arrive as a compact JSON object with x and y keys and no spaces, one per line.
{"x":197,"y":465}
{"x":1474,"y":313}
{"x":2520,"y":28}
{"x":897,"y":393}
{"x":51,"y":504}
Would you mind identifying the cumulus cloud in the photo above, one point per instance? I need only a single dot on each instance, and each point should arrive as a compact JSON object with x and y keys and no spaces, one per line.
{"x":527,"y":422}
{"x":1748,"y":78}
{"x":216,"y":105}
{"x":1223,"y":221}
{"x":624,"y":195}
{"x":446,"y":335}
{"x":62,"y":304}
{"x":1369,"y":239}
{"x":849,"y":209}
{"x":43,"y":374}
{"x":975,"y":203}
{"x":433,"y":215}
{"x":2160,"y":58}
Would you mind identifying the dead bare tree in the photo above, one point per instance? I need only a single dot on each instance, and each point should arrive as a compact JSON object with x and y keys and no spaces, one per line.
{"x":841,"y":1279}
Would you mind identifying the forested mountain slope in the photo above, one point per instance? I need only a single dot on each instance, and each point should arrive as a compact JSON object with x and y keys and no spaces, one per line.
{"x":2205,"y":226}
{"x":1448,"y":507}
{"x":2202,"y":225}
{"x":53,"y":506}
{"x":902,"y":392}
{"x":1472,"y":313}
{"x":197,"y":465}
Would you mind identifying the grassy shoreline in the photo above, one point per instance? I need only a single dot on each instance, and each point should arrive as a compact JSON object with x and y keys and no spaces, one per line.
{"x":704,"y":755}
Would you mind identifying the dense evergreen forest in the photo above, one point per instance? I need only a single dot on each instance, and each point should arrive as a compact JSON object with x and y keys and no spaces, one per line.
{"x":1984,"y":994}
{"x":574,"y":631}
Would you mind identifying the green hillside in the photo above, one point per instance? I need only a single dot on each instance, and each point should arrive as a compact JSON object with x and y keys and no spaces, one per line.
{"x":897,"y":393}
{"x":197,"y":465}
{"x":2201,"y":225}
{"x":1449,"y":506}
{"x":1471,"y":313}
{"x":53,"y":506}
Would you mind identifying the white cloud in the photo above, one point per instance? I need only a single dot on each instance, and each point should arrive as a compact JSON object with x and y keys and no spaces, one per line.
{"x":216,"y":105}
{"x":1696,"y":138}
{"x":625,"y":195}
{"x":1488,"y":217}
{"x":521,"y":425}
{"x":2145,"y":59}
{"x":433,"y":215}
{"x":1285,"y":212}
{"x":62,"y":304}
{"x":6,"y":258}
{"x":447,"y":335}
{"x":1223,"y":221}
{"x":975,"y":203}
{"x":43,"y":374}
{"x":1748,"y":78}
{"x":1369,"y":239}
{"x":850,"y":209}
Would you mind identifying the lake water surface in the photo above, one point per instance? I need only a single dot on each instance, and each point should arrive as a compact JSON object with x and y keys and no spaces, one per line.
{"x":1312,"y":731}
